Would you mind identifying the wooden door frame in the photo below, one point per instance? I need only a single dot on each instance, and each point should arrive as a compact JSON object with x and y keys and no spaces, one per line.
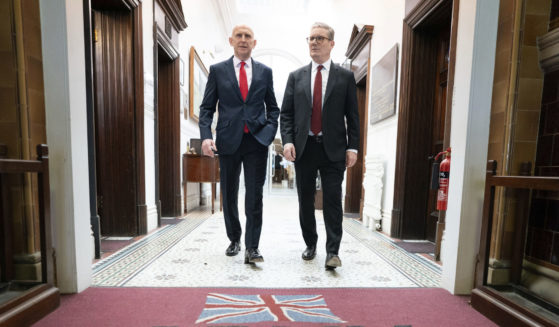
{"x":163,"y":42}
{"x":361,"y":41}
{"x":416,"y":97}
{"x":135,"y":7}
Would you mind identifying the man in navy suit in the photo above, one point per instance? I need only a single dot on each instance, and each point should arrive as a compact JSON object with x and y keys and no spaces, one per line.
{"x":243,"y":90}
{"x":320,"y":132}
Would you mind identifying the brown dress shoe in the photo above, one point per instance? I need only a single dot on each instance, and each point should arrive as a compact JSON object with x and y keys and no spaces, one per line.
{"x":333,"y":261}
{"x":253,"y":256}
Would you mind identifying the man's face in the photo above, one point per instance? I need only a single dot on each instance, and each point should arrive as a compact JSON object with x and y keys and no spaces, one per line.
{"x":320,"y":50}
{"x":242,"y":42}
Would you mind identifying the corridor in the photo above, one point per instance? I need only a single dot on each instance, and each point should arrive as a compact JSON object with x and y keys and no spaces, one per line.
{"x":445,"y":112}
{"x":191,"y":254}
{"x":185,"y":263}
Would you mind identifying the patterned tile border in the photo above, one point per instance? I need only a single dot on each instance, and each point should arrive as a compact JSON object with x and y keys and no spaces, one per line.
{"x":118,"y":268}
{"x":134,"y":260}
{"x":193,"y":263}
{"x":420,"y":270}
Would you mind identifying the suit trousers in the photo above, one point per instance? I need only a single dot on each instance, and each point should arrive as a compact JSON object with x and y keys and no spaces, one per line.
{"x":314,"y":159}
{"x":253,"y":157}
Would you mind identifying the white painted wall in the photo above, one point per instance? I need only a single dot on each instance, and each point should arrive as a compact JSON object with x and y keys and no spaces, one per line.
{"x":206,"y":33}
{"x":471,"y":108}
{"x":66,"y":121}
{"x":381,"y":137}
{"x":149,"y":118}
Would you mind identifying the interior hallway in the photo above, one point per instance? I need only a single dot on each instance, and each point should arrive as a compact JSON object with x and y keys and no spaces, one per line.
{"x":185,"y":262}
{"x":191,"y":254}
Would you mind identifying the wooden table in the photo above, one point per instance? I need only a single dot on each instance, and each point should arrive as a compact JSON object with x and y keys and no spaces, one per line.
{"x":200,"y":169}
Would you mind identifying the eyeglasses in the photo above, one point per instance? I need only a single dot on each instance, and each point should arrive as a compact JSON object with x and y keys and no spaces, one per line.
{"x":318,"y":39}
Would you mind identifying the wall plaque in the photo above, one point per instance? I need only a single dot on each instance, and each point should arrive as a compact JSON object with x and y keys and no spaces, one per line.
{"x":383,"y":84}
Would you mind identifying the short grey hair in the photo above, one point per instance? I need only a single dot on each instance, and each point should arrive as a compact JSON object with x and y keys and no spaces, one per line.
{"x":326,"y":27}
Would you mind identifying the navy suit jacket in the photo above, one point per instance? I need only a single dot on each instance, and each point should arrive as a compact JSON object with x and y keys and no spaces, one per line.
{"x":260,"y":111}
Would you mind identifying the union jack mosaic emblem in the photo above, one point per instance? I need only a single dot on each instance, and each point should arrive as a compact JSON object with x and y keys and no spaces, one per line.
{"x":223,"y":308}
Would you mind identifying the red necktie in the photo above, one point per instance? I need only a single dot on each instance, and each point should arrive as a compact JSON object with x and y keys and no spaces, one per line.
{"x":243,"y":84}
{"x":316,"y":119}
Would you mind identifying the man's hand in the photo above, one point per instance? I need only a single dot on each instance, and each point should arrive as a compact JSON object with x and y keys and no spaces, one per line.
{"x":207,"y":146}
{"x":350,"y":158}
{"x":289,"y":151}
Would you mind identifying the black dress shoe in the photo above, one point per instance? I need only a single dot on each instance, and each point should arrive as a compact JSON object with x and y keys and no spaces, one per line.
{"x":253,"y":256}
{"x":309,"y":253}
{"x":233,"y":249}
{"x":333,"y":261}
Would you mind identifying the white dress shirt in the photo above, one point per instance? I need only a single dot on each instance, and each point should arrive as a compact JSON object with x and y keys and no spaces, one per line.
{"x":248,"y":69}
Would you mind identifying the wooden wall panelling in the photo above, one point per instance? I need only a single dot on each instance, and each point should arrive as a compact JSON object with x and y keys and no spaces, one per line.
{"x":169,"y":135}
{"x":115,"y":119}
{"x":490,"y":301}
{"x":134,"y":9}
{"x":168,"y":22}
{"x":22,"y":123}
{"x":139,"y":120}
{"x":33,"y":97}
{"x":9,"y":132}
{"x":37,"y":299}
{"x":94,"y":218}
{"x":358,"y":52}
{"x":31,"y":307}
{"x":413,"y":146}
{"x":417,"y":89}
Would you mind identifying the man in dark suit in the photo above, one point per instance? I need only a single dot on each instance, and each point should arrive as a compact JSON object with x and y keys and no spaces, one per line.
{"x":247,"y":123}
{"x":319,"y":100}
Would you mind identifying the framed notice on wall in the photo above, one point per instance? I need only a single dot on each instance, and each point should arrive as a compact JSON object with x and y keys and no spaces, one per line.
{"x":383,"y":84}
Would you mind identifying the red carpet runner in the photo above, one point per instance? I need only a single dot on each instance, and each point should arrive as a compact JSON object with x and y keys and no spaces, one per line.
{"x":166,"y":307}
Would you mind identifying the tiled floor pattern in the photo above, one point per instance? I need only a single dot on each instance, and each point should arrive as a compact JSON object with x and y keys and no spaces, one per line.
{"x":416,"y":267}
{"x":116,"y":269}
{"x":191,"y":254}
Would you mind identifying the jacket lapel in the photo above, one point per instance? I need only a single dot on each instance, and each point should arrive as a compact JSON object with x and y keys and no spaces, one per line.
{"x":332,"y":75}
{"x":307,"y":82}
{"x":256,"y":74}
{"x":230,"y":70}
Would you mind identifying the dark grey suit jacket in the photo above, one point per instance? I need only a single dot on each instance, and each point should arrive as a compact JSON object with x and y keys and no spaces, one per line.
{"x":339,"y":107}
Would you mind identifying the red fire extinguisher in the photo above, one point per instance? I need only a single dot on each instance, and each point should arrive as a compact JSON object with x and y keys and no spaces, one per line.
{"x":444,"y":170}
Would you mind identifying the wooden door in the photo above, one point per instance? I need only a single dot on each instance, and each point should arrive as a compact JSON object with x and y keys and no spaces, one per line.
{"x":354,"y":176}
{"x":358,"y":52}
{"x":438,"y":125}
{"x":115,"y":122}
{"x":168,"y":129}
{"x":419,"y":86}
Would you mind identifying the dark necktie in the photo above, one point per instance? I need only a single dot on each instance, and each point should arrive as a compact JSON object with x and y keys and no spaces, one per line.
{"x":243,"y":84}
{"x":316,"y":119}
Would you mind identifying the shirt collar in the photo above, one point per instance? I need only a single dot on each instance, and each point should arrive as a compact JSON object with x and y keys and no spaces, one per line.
{"x":237,"y":62}
{"x":325,"y":65}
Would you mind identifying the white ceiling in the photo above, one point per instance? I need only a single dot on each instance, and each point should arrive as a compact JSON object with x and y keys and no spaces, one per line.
{"x":281,"y":26}
{"x":284,"y":24}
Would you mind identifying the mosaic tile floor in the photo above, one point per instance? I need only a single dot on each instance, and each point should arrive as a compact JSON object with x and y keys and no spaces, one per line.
{"x":191,"y":254}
